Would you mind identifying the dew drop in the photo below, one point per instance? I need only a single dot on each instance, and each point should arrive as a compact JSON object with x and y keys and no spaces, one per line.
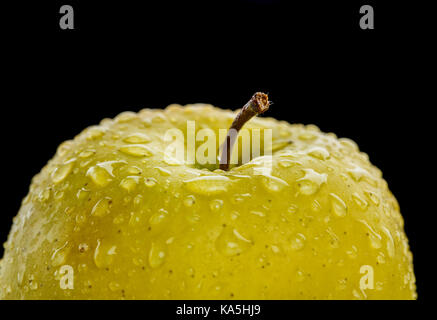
{"x":292,"y":209}
{"x":86,"y":154}
{"x":136,"y":150}
{"x":352,"y":253}
{"x":133,"y":170}
{"x":275,"y":249}
{"x":373,"y":197}
{"x":374,"y":237}
{"x":102,"y":207}
{"x":126,"y":116}
{"x":60,"y":173}
{"x":273,"y":184}
{"x":235,"y":215}
{"x":189,"y":201}
{"x":338,"y":205}
{"x":129,"y":183}
{"x":158,"y":217}
{"x":104,"y":254}
{"x":380,"y":258}
{"x":83,"y":247}
{"x":137,"y":138}
{"x":258,"y":213}
{"x":307,"y":136}
{"x":59,"y":195}
{"x":99,"y":176}
{"x":361,"y":203}
{"x":208,"y":185}
{"x":159,"y":118}
{"x":135,"y":218}
{"x":137,"y":200}
{"x":150,"y":182}
{"x":231,"y":242}
{"x":280,"y":144}
{"x":114,"y":286}
{"x":300,"y":275}
{"x":333,"y":241}
{"x":33,"y":285}
{"x":80,"y":219}
{"x":357,"y":173}
{"x":316,"y":206}
{"x":297,"y":242}
{"x":82,"y":194}
{"x":286,"y":163}
{"x":157,"y":255}
{"x":216,"y":205}
{"x":319,"y":153}
{"x":311,"y":181}
{"x":163,"y":171}
{"x":118,"y":219}
{"x":390,"y":243}
{"x":341,"y":284}
{"x":59,"y":256}
{"x":44,"y":195}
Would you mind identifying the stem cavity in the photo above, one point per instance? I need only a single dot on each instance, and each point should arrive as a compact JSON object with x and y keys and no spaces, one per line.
{"x":258,"y":104}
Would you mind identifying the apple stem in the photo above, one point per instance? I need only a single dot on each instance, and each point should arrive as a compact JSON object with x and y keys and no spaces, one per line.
{"x":258,"y":104}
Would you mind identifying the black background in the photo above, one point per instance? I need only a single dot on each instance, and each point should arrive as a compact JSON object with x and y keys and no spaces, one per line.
{"x":312,"y":58}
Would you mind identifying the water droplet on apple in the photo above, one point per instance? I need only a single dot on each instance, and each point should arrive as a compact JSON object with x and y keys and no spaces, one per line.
{"x":150,"y":182}
{"x":157,"y":254}
{"x":59,"y":256}
{"x":118,"y":219}
{"x":361,"y":203}
{"x":380,"y":258}
{"x":44,"y":195}
{"x":273,"y":184}
{"x":300,"y":275}
{"x":189,"y":201}
{"x":286,"y":163}
{"x":292,"y":209}
{"x":390,"y":242}
{"x":130,"y":183}
{"x":231,"y":242}
{"x":104,"y":254}
{"x":158,"y":217}
{"x":311,"y":182}
{"x":319,"y":153}
{"x":137,"y":138}
{"x":136,"y":150}
{"x":114,"y":286}
{"x":258,"y":213}
{"x":357,"y":173}
{"x":307,"y":136}
{"x":163,"y":172}
{"x":208,"y":185}
{"x":338,"y":205}
{"x":352,"y":253}
{"x":82,"y":194}
{"x":61,"y":172}
{"x":102,"y":207}
{"x":93,"y":133}
{"x":373,"y":197}
{"x":374,"y":237}
{"x":86,"y":153}
{"x":216,"y":205}
{"x":99,"y":176}
{"x":83,"y":247}
{"x":133,"y":170}
{"x":297,"y":242}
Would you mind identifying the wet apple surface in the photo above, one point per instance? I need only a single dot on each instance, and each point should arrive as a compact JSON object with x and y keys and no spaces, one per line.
{"x":127,"y":223}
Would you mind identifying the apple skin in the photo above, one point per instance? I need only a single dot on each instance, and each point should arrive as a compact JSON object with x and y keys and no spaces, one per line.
{"x":133,"y":227}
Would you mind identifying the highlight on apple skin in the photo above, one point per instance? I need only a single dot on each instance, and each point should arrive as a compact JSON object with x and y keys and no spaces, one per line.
{"x":110,"y":217}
